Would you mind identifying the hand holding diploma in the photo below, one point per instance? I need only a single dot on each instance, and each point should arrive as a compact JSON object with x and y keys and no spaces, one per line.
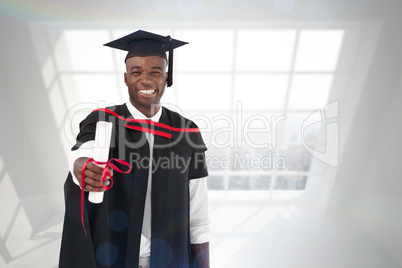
{"x":93,"y":172}
{"x":93,"y":175}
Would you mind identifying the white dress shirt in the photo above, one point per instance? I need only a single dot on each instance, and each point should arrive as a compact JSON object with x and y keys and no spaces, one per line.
{"x":199,"y":219}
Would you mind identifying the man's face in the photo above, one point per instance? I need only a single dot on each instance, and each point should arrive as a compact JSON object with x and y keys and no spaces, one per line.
{"x":146,"y":81}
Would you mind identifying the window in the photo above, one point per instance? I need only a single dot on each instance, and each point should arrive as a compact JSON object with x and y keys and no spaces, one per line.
{"x":254,"y":88}
{"x":250,"y":90}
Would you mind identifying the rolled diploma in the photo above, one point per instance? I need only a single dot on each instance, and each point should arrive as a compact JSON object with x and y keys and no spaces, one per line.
{"x":103,"y":135}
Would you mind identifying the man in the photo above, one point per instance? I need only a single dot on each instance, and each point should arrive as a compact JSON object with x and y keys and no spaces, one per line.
{"x":156,"y":215}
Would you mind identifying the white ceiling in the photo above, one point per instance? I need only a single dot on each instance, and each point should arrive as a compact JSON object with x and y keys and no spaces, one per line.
{"x":161,"y":11}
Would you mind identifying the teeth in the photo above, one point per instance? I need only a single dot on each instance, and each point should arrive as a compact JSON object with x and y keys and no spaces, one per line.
{"x":148,"y":92}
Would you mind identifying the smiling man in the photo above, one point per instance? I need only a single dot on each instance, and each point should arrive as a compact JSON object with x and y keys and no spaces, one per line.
{"x":157,"y":214}
{"x":146,"y":80}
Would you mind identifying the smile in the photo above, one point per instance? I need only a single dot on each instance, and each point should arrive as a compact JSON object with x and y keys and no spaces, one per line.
{"x":147,"y":92}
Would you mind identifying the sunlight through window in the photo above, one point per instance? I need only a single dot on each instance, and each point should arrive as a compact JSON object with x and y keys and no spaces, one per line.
{"x":209,"y":50}
{"x":310,"y":91}
{"x":261,"y":92}
{"x":318,"y":50}
{"x":201,"y":92}
{"x":86,"y":51}
{"x":264,"y":50}
{"x":222,"y":78}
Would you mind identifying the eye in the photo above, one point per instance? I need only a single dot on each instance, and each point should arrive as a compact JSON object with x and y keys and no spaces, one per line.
{"x":155,"y":73}
{"x":136,"y":73}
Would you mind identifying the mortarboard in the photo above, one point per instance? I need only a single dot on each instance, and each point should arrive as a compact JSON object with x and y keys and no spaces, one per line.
{"x":142,"y":43}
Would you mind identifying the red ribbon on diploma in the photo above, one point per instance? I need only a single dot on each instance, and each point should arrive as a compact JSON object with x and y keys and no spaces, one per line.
{"x":105,"y":173}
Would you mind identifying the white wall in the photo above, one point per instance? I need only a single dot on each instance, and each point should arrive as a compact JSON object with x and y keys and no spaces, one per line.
{"x":368,"y":182}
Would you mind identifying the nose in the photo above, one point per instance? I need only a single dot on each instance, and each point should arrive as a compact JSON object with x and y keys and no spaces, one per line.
{"x":145,"y":78}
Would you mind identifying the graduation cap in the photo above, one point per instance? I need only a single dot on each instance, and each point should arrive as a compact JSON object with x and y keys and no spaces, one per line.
{"x":142,"y":43}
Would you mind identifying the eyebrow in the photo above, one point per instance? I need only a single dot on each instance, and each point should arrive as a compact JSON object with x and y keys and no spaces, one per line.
{"x":156,"y":68}
{"x":135,"y":67}
{"x":153,"y":68}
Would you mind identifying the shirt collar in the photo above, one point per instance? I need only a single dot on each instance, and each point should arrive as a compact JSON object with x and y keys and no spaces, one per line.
{"x":138,"y":115}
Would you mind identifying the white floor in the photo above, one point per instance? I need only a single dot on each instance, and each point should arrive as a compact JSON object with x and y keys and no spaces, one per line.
{"x":40,"y":251}
{"x":250,"y":237}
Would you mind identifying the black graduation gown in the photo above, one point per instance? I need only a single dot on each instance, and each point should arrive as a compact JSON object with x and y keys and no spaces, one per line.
{"x":114,"y":226}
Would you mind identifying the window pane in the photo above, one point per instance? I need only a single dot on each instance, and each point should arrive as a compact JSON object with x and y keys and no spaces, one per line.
{"x":94,"y":88}
{"x":264,"y":50}
{"x":257,"y":130}
{"x":208,"y":50}
{"x":203,"y":92}
{"x":86,"y":51}
{"x":290,"y":182}
{"x":215,"y":183}
{"x":309,"y":91}
{"x":316,"y":136}
{"x":293,"y":127}
{"x":295,"y":157}
{"x":261,"y":92}
{"x":246,"y":158}
{"x":249,"y":182}
{"x":318,"y":50}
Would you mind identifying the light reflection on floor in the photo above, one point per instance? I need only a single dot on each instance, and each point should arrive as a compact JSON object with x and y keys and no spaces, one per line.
{"x":230,"y":230}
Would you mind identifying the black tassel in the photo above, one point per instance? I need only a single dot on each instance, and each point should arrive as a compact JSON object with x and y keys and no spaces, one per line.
{"x":170,"y":63}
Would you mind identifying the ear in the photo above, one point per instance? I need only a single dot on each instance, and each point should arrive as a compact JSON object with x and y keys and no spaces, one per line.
{"x":125,"y":78}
